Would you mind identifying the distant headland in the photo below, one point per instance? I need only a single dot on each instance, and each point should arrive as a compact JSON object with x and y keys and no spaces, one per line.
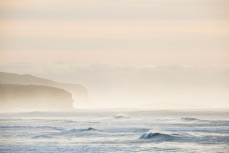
{"x":30,"y":93}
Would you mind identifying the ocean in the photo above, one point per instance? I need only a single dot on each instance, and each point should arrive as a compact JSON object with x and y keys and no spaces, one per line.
{"x":115,"y":131}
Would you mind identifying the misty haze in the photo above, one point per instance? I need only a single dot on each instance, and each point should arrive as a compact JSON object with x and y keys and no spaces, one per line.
{"x":114,"y":76}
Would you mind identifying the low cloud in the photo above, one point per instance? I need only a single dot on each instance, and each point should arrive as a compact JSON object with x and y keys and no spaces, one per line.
{"x":156,"y":87}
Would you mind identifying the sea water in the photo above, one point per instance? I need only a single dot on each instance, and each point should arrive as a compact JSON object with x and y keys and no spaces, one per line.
{"x":115,"y":132}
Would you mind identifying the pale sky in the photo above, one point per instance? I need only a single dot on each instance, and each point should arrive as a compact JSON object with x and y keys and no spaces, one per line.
{"x":36,"y":35}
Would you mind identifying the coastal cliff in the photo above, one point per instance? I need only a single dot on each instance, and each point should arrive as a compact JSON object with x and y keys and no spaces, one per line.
{"x":34,"y":98}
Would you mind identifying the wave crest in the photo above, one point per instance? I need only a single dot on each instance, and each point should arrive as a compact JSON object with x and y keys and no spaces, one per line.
{"x":121,"y":116}
{"x":156,"y":135}
{"x":188,"y":119}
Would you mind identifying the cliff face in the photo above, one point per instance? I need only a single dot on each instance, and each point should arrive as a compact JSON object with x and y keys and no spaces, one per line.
{"x":79,"y":93}
{"x":34,"y":98}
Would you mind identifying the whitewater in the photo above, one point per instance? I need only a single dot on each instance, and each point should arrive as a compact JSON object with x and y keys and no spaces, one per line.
{"x":116,"y":131}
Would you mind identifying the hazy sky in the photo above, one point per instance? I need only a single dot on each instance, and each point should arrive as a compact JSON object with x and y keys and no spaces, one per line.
{"x":52,"y":38}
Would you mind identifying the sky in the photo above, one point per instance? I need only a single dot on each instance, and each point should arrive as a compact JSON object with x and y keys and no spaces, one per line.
{"x":128,"y":53}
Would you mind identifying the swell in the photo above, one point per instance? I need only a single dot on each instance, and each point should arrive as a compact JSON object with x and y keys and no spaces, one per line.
{"x":80,"y":130}
{"x":32,"y":127}
{"x":70,"y":132}
{"x":93,"y":132}
{"x":189,"y":119}
{"x":209,"y":121}
{"x":184,"y":138}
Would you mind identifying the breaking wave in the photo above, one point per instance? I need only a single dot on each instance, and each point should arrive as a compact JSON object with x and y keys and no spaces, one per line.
{"x":157,"y":136}
{"x":207,"y":139}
